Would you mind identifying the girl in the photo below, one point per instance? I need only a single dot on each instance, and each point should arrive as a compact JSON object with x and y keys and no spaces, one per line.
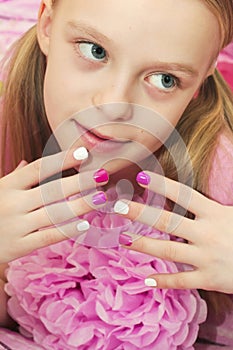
{"x":82,"y":57}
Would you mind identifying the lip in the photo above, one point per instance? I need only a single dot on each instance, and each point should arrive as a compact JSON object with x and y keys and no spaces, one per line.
{"x":101,"y":143}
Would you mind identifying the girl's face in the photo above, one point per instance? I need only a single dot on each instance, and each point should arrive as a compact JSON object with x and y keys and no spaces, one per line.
{"x":123,"y":59}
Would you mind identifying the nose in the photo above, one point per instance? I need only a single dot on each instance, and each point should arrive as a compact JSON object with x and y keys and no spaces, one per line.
{"x":114,"y":101}
{"x":116,"y":111}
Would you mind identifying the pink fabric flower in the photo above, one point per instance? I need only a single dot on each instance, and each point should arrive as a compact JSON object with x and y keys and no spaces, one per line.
{"x":70,"y":296}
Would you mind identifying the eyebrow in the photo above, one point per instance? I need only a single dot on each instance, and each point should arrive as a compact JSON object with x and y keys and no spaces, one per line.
{"x":87,"y":29}
{"x":177,"y":67}
{"x":93,"y":32}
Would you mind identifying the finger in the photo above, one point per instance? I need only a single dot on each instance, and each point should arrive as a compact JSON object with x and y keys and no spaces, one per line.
{"x":159,"y":219}
{"x":59,"y":213}
{"x":21,"y":164}
{"x":179,"y":193}
{"x":53,"y":235}
{"x":65,"y":187}
{"x":41,"y":169}
{"x":163,"y":249}
{"x":179,"y":280}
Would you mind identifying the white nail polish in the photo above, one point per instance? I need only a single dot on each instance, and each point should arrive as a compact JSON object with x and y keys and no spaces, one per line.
{"x":80,"y":153}
{"x":83,"y":226}
{"x":150,"y":282}
{"x":121,"y":208}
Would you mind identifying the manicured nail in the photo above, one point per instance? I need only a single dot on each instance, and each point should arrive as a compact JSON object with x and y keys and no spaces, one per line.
{"x":143,"y":178}
{"x":99,"y":198}
{"x":80,"y":153}
{"x":125,"y":240}
{"x":121,"y":208}
{"x":101,"y":175}
{"x":150,"y":282}
{"x":83,"y":225}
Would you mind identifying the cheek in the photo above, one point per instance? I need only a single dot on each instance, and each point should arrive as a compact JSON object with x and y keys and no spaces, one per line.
{"x":58,"y":99}
{"x":65,"y":93}
{"x":157,"y":128}
{"x":172,"y":107}
{"x":51,"y":100}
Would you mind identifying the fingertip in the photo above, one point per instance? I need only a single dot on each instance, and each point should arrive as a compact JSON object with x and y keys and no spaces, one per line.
{"x":99,"y":198}
{"x":150,"y":282}
{"x":160,"y":281}
{"x":22,"y":164}
{"x":143,"y":178}
{"x":121,"y":207}
{"x":101,"y":176}
{"x":80,"y":153}
{"x":83,"y":226}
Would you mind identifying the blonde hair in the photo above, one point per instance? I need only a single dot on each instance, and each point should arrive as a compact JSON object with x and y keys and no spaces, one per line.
{"x":25,"y":128}
{"x":208,"y":114}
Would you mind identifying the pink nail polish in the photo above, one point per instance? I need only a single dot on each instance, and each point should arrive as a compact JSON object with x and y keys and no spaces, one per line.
{"x":99,"y":198}
{"x":101,"y":175}
{"x":143,"y":178}
{"x":125,"y":240}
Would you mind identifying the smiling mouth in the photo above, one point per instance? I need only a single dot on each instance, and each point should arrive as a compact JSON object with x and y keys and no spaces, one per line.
{"x":101,"y":143}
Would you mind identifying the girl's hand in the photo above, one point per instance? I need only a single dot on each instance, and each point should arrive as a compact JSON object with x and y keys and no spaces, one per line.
{"x":210,"y":236}
{"x":33,"y":217}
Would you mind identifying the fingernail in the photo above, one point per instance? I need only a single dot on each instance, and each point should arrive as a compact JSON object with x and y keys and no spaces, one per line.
{"x":80,"y":153}
{"x":150,"y":282}
{"x":143,"y":178}
{"x":101,"y":175}
{"x":99,"y":198}
{"x":125,"y":239}
{"x":121,"y":208}
{"x":83,"y":225}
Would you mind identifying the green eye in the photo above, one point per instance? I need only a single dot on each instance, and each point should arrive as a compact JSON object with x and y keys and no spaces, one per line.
{"x":163,"y":81}
{"x":92,"y":51}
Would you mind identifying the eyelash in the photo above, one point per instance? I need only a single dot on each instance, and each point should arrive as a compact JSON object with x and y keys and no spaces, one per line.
{"x":79,"y":42}
{"x":177,"y":81}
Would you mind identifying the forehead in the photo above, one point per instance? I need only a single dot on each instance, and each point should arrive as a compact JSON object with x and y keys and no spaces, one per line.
{"x":164,"y":25}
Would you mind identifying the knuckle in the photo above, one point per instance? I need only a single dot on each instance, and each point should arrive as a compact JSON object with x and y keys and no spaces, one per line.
{"x":170,"y":252}
{"x":140,"y":244}
{"x":164,"y":221}
{"x":48,"y":238}
{"x":36,"y":166}
{"x":181,"y":282}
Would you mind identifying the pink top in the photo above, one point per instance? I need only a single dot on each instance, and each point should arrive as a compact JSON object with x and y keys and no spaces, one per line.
{"x":221,"y":177}
{"x":219,"y":329}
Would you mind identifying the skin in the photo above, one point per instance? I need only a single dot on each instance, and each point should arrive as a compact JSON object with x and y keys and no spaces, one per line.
{"x":139,"y":54}
{"x":209,"y":252}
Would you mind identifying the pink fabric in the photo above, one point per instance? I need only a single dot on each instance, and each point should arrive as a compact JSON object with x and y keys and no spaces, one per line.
{"x":219,"y":328}
{"x":221,"y":178}
{"x":13,"y":341}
